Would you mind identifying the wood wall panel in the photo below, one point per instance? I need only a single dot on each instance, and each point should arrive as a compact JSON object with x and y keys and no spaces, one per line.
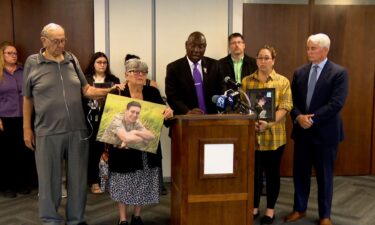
{"x":77,"y":17}
{"x":6,"y":21}
{"x":282,"y":26}
{"x":352,"y":32}
{"x":373,"y":127}
{"x":285,"y":27}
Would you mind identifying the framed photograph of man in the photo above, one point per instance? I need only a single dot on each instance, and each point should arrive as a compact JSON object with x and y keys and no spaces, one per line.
{"x":131,"y":123}
{"x":263,"y":103}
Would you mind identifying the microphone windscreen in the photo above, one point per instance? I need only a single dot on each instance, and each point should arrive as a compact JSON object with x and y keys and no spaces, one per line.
{"x":214,"y":98}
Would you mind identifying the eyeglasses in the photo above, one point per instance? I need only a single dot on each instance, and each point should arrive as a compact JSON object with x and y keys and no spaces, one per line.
{"x":57,"y":41}
{"x":236,"y":42}
{"x":101,"y":62}
{"x":138,"y":72}
{"x":11,"y":53}
{"x":263,"y":58}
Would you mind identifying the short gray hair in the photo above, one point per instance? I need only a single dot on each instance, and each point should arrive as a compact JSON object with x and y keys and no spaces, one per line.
{"x":51,"y":26}
{"x":321,"y":39}
{"x":136,"y":65}
{"x":143,"y":67}
{"x":132,"y":65}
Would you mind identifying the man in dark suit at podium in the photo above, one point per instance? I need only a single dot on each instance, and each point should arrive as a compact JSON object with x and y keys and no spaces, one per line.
{"x":192,"y":80}
{"x":319,"y":91}
{"x":237,"y":64}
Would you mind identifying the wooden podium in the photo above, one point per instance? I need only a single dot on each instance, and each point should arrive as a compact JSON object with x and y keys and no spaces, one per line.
{"x":212,"y":170}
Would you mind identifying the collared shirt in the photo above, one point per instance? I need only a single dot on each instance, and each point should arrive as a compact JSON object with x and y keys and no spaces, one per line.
{"x":199,"y":67}
{"x":275,"y":136}
{"x":319,"y":69}
{"x":237,"y":66}
{"x":56,"y":91}
{"x":11,"y":100}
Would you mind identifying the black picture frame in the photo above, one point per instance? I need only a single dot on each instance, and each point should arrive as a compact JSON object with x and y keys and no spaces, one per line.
{"x":262,"y":103}
{"x":103,"y":85}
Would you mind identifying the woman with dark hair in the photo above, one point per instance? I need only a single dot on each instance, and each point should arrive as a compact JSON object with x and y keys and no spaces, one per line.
{"x":17,"y":162}
{"x":98,"y":74}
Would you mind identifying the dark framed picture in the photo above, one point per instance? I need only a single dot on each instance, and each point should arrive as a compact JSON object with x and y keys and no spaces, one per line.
{"x":103,"y":85}
{"x":262,"y":103}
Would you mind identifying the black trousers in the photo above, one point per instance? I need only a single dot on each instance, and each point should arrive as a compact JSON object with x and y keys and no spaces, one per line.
{"x":267,"y":162}
{"x":17,"y":162}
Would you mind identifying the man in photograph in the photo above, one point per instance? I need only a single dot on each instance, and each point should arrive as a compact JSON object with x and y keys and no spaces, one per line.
{"x":127,"y":130}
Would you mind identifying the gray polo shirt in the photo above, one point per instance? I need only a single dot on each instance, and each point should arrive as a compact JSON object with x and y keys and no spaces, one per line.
{"x":56,"y":91}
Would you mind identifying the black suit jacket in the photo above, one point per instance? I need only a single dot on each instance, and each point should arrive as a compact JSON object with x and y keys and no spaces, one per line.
{"x":180,"y":89}
{"x":249,"y":66}
{"x":327,"y":101}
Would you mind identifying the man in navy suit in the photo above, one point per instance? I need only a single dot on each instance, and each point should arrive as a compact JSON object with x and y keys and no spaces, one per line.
{"x":181,"y":86}
{"x":319,"y":91}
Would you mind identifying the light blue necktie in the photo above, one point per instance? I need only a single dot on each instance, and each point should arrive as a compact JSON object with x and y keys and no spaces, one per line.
{"x":198,"y":82}
{"x":311,"y":85}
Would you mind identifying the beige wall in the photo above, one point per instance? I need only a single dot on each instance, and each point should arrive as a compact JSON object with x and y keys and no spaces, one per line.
{"x":131,"y":24}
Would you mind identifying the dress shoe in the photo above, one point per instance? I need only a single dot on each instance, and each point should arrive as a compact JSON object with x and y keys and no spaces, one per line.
{"x":123,"y":223}
{"x":294,"y":216}
{"x":325,"y":221}
{"x":256,"y":215}
{"x":267,"y":220}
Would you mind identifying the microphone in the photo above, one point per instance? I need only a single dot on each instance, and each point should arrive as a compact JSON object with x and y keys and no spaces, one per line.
{"x":219,"y":101}
{"x":222,"y":102}
{"x":237,"y":104}
{"x":228,"y":80}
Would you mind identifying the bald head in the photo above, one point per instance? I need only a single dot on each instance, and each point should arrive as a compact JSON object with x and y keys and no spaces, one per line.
{"x":53,"y":40}
{"x":49,"y":28}
{"x":196,"y":35}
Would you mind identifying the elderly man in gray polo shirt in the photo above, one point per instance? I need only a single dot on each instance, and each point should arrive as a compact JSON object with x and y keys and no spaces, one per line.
{"x":53,"y":88}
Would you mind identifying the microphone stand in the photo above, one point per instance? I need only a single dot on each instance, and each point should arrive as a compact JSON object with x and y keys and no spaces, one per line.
{"x":252,"y":110}
{"x":247,"y":99}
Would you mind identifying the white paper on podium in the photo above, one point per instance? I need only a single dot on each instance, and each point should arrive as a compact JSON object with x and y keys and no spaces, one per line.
{"x":218,"y":158}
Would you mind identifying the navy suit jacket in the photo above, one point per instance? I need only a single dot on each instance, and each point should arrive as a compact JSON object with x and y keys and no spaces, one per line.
{"x":180,"y":89}
{"x":327,"y":101}
{"x":249,"y":66}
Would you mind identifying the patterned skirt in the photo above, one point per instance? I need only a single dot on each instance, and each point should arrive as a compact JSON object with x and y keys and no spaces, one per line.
{"x":136,"y":188}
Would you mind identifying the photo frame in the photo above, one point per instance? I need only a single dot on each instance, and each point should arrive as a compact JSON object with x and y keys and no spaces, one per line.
{"x":103,"y":85}
{"x":131,"y":123}
{"x":262,"y":102}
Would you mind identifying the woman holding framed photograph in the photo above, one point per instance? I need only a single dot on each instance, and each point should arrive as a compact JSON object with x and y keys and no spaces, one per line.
{"x":271,"y":134}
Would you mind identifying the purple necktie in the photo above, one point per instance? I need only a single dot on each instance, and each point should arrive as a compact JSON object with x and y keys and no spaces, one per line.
{"x":198,"y":82}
